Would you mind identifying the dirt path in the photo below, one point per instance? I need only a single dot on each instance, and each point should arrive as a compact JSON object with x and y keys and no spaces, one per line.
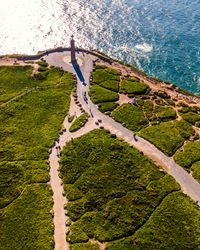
{"x":59,"y":199}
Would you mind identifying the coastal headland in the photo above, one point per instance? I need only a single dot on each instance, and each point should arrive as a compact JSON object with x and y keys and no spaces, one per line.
{"x":96,"y":155}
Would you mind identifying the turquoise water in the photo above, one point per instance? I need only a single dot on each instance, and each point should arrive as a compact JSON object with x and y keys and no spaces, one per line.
{"x":160,"y":37}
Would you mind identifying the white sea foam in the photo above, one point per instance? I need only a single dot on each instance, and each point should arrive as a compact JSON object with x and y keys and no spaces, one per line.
{"x":144,"y":47}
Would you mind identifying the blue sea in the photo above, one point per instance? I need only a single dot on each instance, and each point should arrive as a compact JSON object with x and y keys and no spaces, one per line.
{"x":160,"y":37}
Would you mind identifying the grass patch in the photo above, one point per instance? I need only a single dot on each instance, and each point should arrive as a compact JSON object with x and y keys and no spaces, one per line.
{"x":27,"y":223}
{"x":188,"y":155}
{"x":16,"y":80}
{"x":108,"y":106}
{"x":99,"y":95}
{"x":162,"y":230}
{"x":85,"y":246}
{"x":79,"y":122}
{"x":131,"y":87}
{"x":190,"y":117}
{"x":102,"y":75}
{"x":195,"y":169}
{"x":111,"y":85}
{"x":168,"y":136}
{"x":165,"y":113}
{"x":130,"y":116}
{"x":113,"y":191}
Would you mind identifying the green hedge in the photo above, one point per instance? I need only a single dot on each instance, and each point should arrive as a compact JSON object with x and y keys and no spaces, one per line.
{"x":113,"y":191}
{"x":79,"y":122}
{"x":168,"y":136}
{"x":133,"y":87}
{"x":189,"y":155}
{"x":99,"y":95}
{"x":101,"y":75}
{"x":131,"y":116}
{"x":175,"y":224}
{"x":190,"y":117}
{"x":108,"y":106}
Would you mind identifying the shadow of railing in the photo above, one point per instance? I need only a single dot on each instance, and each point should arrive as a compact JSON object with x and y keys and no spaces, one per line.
{"x":78,"y":72}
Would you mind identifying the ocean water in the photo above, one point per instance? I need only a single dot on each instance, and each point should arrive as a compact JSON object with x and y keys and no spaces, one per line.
{"x":160,"y":37}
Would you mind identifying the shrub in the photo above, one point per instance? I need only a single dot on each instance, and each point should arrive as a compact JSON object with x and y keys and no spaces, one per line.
{"x":99,"y":95}
{"x":148,"y":108}
{"x":170,"y":102}
{"x":71,"y":118}
{"x":191,"y":117}
{"x":79,"y":122}
{"x":108,"y":106}
{"x":189,"y":155}
{"x":42,"y":75}
{"x":195,"y":169}
{"x":101,"y":75}
{"x":111,"y":85}
{"x":165,"y":113}
{"x":85,"y":246}
{"x":168,"y":136}
{"x":162,"y":94}
{"x":197,"y":124}
{"x":131,"y":116}
{"x":42,"y":69}
{"x":130,"y":87}
{"x":43,"y":63}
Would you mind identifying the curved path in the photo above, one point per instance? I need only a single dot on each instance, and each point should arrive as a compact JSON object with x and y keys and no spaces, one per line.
{"x":188,"y":184}
{"x":59,"y":199}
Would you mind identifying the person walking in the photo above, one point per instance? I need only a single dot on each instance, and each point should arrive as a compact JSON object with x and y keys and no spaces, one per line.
{"x":134,"y":137}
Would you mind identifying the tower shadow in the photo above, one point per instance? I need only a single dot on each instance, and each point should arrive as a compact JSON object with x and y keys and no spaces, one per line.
{"x":78,"y":72}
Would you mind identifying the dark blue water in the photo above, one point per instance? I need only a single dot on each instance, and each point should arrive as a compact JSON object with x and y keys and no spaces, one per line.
{"x":161,"y":37}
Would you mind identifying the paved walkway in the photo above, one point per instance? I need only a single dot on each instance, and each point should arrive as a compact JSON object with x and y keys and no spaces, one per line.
{"x":188,"y":184}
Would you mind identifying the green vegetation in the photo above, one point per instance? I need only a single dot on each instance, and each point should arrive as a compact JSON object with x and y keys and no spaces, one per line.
{"x":189,"y":155}
{"x":190,"y":117}
{"x":165,"y":113}
{"x":168,"y":136}
{"x":15,"y":80}
{"x":111,"y":85}
{"x":101,"y":75}
{"x":105,"y":87}
{"x":29,"y":126}
{"x":85,"y":246}
{"x":79,"y":122}
{"x":197,"y":124}
{"x":175,"y":224}
{"x":131,"y":116}
{"x":99,"y":94}
{"x":195,"y":169}
{"x":27,"y":223}
{"x":42,"y":63}
{"x":113,"y":192}
{"x":108,"y":106}
{"x":131,"y":87}
{"x":71,"y":118}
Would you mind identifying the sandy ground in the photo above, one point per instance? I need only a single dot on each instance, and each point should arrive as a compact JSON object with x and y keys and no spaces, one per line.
{"x":7,"y":61}
{"x":123,"y":99}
